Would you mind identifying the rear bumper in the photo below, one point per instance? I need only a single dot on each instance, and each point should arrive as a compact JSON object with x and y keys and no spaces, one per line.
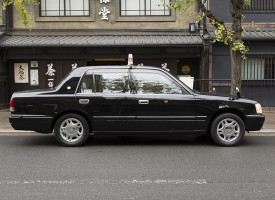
{"x":39,"y":123}
{"x":254,"y":122}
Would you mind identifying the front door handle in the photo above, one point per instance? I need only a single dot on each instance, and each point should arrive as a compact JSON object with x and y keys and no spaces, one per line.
{"x":143,"y":101}
{"x":84,"y":101}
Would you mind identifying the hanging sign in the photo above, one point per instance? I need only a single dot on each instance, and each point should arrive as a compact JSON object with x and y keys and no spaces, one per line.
{"x":185,"y":69}
{"x":34,"y":63}
{"x":34,"y":80}
{"x":21,"y":73}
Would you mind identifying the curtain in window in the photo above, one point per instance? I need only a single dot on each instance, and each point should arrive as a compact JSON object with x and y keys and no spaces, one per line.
{"x":253,"y":69}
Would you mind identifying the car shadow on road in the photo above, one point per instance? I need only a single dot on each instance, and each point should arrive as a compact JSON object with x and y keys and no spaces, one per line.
{"x":121,"y":141}
{"x":139,"y":141}
{"x":147,"y":140}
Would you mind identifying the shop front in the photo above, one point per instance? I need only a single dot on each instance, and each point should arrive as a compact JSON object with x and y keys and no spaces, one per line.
{"x":41,"y":66}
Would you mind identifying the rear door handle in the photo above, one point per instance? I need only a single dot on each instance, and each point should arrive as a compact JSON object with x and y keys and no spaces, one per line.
{"x":143,"y":101}
{"x":84,"y":101}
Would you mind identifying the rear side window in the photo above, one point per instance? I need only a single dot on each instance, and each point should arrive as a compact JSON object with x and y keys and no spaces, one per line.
{"x":105,"y":82}
{"x":155,"y":83}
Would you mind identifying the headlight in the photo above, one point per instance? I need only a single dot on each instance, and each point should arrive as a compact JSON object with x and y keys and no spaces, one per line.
{"x":259,"y":109}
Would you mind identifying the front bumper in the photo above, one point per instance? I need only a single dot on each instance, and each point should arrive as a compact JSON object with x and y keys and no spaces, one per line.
{"x":254,"y":122}
{"x":39,"y":123}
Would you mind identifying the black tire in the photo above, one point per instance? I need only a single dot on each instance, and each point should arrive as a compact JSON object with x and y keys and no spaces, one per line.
{"x":229,"y":134}
{"x":75,"y":130}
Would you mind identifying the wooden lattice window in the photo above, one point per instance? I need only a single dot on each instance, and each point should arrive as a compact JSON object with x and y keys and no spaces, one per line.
{"x":144,"y":8}
{"x":64,"y":8}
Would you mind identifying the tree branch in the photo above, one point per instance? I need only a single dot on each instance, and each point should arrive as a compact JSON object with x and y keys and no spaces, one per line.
{"x":211,"y":17}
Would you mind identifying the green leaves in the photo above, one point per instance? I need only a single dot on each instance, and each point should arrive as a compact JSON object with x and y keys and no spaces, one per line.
{"x":20,"y":6}
{"x":253,"y":25}
{"x":247,"y":2}
{"x":239,"y":46}
{"x":221,"y":33}
{"x":180,"y":5}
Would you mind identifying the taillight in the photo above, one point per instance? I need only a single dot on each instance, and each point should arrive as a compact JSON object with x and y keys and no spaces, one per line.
{"x":12,"y":105}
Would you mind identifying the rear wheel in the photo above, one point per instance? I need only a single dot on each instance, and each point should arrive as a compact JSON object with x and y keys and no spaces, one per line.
{"x":71,"y":130}
{"x":227,"y":130}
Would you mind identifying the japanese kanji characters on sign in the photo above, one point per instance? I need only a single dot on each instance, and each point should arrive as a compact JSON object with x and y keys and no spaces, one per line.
{"x":50,"y":72}
{"x":104,"y":1}
{"x":74,"y":66}
{"x":104,"y":12}
{"x":164,"y":66}
{"x":50,"y":82}
{"x":21,"y":72}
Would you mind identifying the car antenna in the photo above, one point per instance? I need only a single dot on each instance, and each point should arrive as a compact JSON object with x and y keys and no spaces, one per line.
{"x":130,"y":61}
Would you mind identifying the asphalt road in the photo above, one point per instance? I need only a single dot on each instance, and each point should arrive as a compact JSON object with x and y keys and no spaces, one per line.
{"x":36,"y":167}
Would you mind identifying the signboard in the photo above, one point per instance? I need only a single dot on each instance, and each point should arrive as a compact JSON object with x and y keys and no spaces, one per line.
{"x":34,"y":80}
{"x":34,"y":63}
{"x":187,"y":80}
{"x":21,"y":73}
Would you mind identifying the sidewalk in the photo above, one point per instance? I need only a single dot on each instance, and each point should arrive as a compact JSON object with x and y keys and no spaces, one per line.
{"x":269,"y":125}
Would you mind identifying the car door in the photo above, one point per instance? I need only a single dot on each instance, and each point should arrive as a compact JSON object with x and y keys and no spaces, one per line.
{"x":105,"y":95}
{"x":162,"y":104}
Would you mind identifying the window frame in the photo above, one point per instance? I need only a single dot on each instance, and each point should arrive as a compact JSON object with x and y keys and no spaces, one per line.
{"x":259,"y":8}
{"x":269,"y":71}
{"x":133,"y":71}
{"x":58,"y":19}
{"x":93,"y":71}
{"x":151,"y":18}
{"x":89,"y":3}
{"x":145,"y":11}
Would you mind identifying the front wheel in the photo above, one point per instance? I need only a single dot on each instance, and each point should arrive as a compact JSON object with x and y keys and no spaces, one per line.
{"x":71,"y":130}
{"x":227,"y":130}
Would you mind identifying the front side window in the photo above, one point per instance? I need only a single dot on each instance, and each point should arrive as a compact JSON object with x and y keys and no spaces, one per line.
{"x":144,"y":8}
{"x":105,"y":82}
{"x":155,"y":83}
{"x":63,"y":8}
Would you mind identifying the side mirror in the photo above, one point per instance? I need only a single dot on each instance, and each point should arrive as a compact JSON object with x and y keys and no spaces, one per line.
{"x":237,"y":91}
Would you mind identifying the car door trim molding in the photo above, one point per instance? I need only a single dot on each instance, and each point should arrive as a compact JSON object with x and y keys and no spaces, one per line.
{"x":166,"y":117}
{"x":192,"y":118}
{"x":114,"y":117}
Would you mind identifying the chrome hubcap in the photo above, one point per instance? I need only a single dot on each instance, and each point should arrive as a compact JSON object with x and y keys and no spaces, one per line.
{"x":71,"y":130}
{"x":228,"y":130}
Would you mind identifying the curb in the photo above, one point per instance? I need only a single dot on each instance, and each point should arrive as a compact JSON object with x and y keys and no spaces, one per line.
{"x":264,"y":131}
{"x":14,"y":131}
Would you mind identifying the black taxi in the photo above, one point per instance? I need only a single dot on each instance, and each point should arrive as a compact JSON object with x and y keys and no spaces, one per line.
{"x":123,"y":100}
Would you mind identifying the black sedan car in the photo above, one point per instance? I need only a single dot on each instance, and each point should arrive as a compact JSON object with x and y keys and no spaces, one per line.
{"x":123,"y":100}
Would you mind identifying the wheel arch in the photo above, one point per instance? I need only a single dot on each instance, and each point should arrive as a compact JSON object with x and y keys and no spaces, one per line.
{"x":84,"y":115}
{"x":223,"y":111}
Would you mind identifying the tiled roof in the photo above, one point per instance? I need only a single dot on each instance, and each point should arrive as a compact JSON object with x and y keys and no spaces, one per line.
{"x":98,"y":40}
{"x":259,"y":35}
{"x":255,"y":35}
